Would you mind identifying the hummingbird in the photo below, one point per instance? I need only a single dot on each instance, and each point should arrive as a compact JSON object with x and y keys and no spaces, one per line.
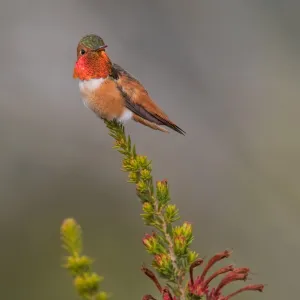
{"x":111,"y":92}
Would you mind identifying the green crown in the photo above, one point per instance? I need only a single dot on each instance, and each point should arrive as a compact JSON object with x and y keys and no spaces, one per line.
{"x":92,"y":41}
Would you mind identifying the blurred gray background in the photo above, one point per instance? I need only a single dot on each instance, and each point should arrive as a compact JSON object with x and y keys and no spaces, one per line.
{"x":226,"y":71}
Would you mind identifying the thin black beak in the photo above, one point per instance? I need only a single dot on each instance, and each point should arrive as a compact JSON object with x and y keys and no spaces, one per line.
{"x":101,"y":48}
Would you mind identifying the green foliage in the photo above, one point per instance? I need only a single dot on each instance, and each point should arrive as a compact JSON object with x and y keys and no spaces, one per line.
{"x":191,"y":256}
{"x":71,"y":237}
{"x":86,"y":282}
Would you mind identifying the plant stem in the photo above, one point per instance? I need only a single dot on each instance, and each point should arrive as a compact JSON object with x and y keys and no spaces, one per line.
{"x":123,"y":144}
{"x":170,"y":249}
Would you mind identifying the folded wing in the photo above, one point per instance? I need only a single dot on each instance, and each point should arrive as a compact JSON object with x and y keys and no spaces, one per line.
{"x":138,"y":100}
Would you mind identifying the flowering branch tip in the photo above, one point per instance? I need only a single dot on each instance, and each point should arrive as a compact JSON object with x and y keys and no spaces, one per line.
{"x":169,"y":243}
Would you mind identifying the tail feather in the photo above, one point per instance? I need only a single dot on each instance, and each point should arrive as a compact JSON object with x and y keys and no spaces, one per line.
{"x":170,"y":124}
{"x":148,"y":123}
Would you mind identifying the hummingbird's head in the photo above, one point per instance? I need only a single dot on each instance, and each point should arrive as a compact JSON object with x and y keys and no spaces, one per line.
{"x":92,"y":60}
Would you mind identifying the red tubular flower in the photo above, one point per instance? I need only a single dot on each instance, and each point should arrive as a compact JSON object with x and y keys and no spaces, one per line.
{"x":195,"y":264}
{"x":151,"y":275}
{"x":241,"y":270}
{"x":217,"y":273}
{"x":250,"y":287}
{"x":200,"y":286}
{"x":230,"y":277}
{"x":148,"y":297}
{"x":165,"y":292}
{"x":167,"y":295}
{"x":213,"y":260}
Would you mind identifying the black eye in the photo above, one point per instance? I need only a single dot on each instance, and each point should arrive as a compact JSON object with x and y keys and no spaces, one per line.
{"x":82,"y":51}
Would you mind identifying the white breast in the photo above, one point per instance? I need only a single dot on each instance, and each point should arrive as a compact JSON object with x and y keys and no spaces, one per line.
{"x":89,"y":86}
